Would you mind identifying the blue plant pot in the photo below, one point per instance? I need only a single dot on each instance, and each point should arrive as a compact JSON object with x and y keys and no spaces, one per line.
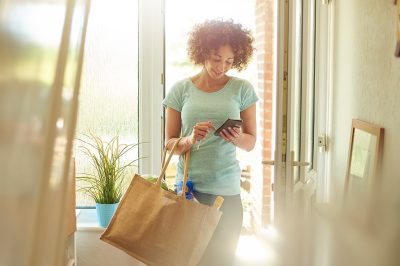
{"x":105,"y":212}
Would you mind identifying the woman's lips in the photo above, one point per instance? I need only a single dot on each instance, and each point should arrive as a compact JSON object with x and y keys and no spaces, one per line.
{"x":217,"y":73}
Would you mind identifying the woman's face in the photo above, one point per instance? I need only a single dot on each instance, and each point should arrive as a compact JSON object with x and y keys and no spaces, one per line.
{"x":219,"y":62}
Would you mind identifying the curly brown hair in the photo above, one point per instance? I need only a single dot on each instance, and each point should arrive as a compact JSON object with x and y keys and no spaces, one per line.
{"x":212,"y":34}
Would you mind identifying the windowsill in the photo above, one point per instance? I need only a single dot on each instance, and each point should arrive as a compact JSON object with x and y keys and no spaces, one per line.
{"x":86,"y":220}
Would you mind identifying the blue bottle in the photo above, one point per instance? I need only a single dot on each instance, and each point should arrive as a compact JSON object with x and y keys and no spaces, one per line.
{"x":189,"y":190}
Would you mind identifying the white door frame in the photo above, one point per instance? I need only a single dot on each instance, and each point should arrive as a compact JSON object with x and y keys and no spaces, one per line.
{"x":281,"y":90}
{"x":151,"y":84}
{"x":286,"y":191}
{"x":324,"y":85}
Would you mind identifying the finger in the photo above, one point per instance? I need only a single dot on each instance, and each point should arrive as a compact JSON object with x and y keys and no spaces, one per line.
{"x":200,"y":133}
{"x":225,"y":136}
{"x":203,"y":128}
{"x":207,"y":124}
{"x":238,"y":130}
{"x":210,"y":125}
{"x":233,"y":131}
{"x":200,"y":130}
{"x":229,"y":133}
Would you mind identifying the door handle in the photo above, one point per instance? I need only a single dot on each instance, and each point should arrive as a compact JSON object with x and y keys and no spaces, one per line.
{"x":302,"y":176}
{"x":294,"y":163}
{"x":268,"y":162}
{"x":298,"y":163}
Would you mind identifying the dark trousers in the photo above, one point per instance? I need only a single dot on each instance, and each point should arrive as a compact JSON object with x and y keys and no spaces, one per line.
{"x":221,"y":249}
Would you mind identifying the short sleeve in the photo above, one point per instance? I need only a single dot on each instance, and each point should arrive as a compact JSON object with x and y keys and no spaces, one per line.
{"x":174,"y":98}
{"x":248,"y":96}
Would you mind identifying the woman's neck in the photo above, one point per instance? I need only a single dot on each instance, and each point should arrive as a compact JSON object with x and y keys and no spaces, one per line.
{"x":206,"y":83}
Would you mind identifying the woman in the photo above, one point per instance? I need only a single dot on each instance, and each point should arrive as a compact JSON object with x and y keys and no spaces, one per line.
{"x":196,"y":106}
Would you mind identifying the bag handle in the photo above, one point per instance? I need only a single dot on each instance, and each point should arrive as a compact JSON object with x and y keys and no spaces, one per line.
{"x":218,"y":201}
{"x":185,"y":171}
{"x":165,"y":164}
{"x":164,"y":155}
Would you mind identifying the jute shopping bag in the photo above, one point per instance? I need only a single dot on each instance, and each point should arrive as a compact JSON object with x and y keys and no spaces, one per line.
{"x":159,"y":227}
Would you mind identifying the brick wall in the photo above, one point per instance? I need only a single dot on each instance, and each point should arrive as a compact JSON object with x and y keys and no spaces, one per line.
{"x":264,"y":37}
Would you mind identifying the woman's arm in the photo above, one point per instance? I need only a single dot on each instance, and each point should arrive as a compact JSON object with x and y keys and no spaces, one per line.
{"x":244,"y":138}
{"x":173,"y":131}
{"x":173,"y":125}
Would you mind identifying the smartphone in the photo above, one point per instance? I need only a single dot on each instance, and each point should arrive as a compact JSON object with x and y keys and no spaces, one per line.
{"x":228,"y":123}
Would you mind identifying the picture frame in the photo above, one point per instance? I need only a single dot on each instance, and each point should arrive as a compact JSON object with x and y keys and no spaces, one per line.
{"x":364,"y":158}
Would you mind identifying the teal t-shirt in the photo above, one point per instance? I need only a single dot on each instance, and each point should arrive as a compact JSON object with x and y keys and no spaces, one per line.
{"x":213,"y":167}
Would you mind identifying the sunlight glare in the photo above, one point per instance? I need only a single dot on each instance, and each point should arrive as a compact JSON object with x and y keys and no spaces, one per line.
{"x":252,"y":250}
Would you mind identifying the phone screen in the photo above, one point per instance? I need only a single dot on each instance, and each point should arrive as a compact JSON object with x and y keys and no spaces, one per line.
{"x":229,"y":123}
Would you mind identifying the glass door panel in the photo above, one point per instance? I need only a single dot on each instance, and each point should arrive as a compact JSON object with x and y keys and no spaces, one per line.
{"x":109,"y":95}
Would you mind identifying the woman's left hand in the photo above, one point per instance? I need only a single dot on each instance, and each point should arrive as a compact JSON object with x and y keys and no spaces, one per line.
{"x":231,"y":133}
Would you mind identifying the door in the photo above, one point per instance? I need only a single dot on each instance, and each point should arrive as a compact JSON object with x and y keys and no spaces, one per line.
{"x":41,"y":45}
{"x":295,"y":138}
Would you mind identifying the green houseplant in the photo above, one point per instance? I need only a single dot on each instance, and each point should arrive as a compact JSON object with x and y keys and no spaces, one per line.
{"x":106,"y":183}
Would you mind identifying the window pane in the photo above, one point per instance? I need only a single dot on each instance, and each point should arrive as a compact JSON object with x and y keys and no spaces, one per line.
{"x":310,"y":143}
{"x":109,"y":87}
{"x":297,"y":86}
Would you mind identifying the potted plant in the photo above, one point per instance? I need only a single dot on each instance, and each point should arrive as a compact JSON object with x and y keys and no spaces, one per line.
{"x":105,"y":183}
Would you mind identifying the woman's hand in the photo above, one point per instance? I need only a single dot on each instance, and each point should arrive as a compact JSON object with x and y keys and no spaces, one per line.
{"x":200,"y":131}
{"x":231,"y":134}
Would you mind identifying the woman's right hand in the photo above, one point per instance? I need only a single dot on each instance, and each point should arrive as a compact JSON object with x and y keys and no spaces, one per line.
{"x":200,"y":131}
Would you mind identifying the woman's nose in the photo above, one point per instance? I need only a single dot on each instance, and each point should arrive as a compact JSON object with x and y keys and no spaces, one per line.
{"x":220,"y":67}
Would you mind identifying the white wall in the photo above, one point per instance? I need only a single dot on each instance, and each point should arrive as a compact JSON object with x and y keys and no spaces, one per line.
{"x":91,"y":251}
{"x":366,"y":86}
{"x":366,"y":80}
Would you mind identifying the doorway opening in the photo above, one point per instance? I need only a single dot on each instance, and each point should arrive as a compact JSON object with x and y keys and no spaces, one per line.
{"x":259,"y":16}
